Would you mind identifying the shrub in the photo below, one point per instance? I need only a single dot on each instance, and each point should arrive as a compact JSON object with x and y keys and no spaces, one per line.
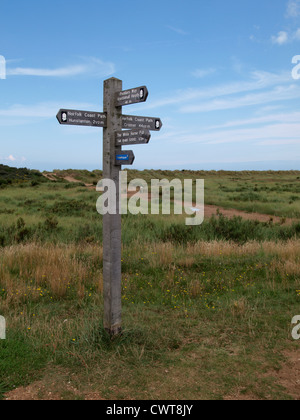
{"x":51,"y":223}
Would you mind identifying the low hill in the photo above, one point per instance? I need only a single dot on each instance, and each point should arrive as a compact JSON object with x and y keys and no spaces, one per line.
{"x":10,"y":175}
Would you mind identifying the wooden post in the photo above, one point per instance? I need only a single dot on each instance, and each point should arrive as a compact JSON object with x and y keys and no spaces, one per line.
{"x":112,"y":222}
{"x":112,"y":121}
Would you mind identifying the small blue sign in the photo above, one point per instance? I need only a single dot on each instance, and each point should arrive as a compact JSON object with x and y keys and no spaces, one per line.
{"x":122,"y":157}
{"x":125,"y":157}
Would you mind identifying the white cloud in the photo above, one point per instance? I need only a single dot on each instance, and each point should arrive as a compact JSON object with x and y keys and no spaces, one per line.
{"x":200,"y":73}
{"x":293,"y":8}
{"x":258,"y":80}
{"x":296,"y":35}
{"x":11,"y":158}
{"x":91,"y":66}
{"x":41,"y":110}
{"x":277,"y":134}
{"x":284,"y":37}
{"x":281,"y":38}
{"x":177,"y":30}
{"x":20,"y":114}
{"x":278,"y":93}
{"x":291,"y":117}
{"x":60,"y":72}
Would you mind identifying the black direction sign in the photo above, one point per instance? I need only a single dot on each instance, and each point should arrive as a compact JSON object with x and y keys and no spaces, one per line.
{"x":146,"y":123}
{"x":132,"y":96}
{"x":132,"y":137}
{"x":125,"y":157}
{"x":85,"y":118}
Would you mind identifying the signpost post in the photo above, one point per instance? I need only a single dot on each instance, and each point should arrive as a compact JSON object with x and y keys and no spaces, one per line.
{"x":112,"y":121}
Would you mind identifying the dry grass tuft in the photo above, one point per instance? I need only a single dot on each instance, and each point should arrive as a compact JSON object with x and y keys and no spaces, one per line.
{"x":30,"y":269}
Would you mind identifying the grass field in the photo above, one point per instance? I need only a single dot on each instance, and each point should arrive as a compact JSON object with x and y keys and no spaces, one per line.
{"x":206,"y":310}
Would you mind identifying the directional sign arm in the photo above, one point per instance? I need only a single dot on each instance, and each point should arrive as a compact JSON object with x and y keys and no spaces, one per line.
{"x":128,"y":137}
{"x":146,"y":123}
{"x":84,"y":118}
{"x":131,"y":96}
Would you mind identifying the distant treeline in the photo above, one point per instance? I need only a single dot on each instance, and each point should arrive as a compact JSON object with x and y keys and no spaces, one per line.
{"x":9,"y":175}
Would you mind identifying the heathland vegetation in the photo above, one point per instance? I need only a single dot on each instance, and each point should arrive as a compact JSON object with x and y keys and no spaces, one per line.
{"x":207,"y":310}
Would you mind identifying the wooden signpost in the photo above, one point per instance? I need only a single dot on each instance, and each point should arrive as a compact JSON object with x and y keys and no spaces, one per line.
{"x":112,"y":121}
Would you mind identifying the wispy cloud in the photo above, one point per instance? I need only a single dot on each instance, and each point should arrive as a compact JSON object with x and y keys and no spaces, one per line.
{"x":258,"y":80}
{"x":293,"y":9}
{"x":200,"y":73}
{"x":59,"y":72}
{"x":276,"y":134}
{"x":177,"y":30}
{"x":290,"y":117}
{"x":90,"y":66}
{"x":278,"y":93}
{"x":20,"y":114}
{"x":296,"y":35}
{"x":284,"y":37}
{"x":12,"y":159}
{"x":281,"y":38}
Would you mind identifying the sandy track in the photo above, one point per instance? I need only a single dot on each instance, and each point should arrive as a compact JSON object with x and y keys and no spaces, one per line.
{"x":209,"y":210}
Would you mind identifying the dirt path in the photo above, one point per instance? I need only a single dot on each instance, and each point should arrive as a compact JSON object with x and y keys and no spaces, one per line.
{"x":55,"y":177}
{"x":209,"y":210}
{"x":51,"y":177}
{"x":213,"y":210}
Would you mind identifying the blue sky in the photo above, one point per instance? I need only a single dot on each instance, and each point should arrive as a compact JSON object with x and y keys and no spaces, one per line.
{"x":219,"y":75}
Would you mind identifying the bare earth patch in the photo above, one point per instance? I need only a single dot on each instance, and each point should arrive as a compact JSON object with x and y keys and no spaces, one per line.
{"x":211,"y":210}
{"x":60,"y":385}
{"x":57,"y":384}
{"x":288,"y":377}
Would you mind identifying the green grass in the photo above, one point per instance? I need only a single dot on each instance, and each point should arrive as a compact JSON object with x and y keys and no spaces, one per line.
{"x":201,"y":320}
{"x":20,"y":362}
{"x":51,"y":212}
{"x":206,"y":310}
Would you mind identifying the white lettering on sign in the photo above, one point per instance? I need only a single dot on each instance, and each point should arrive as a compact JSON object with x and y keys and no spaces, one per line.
{"x":74,"y":114}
